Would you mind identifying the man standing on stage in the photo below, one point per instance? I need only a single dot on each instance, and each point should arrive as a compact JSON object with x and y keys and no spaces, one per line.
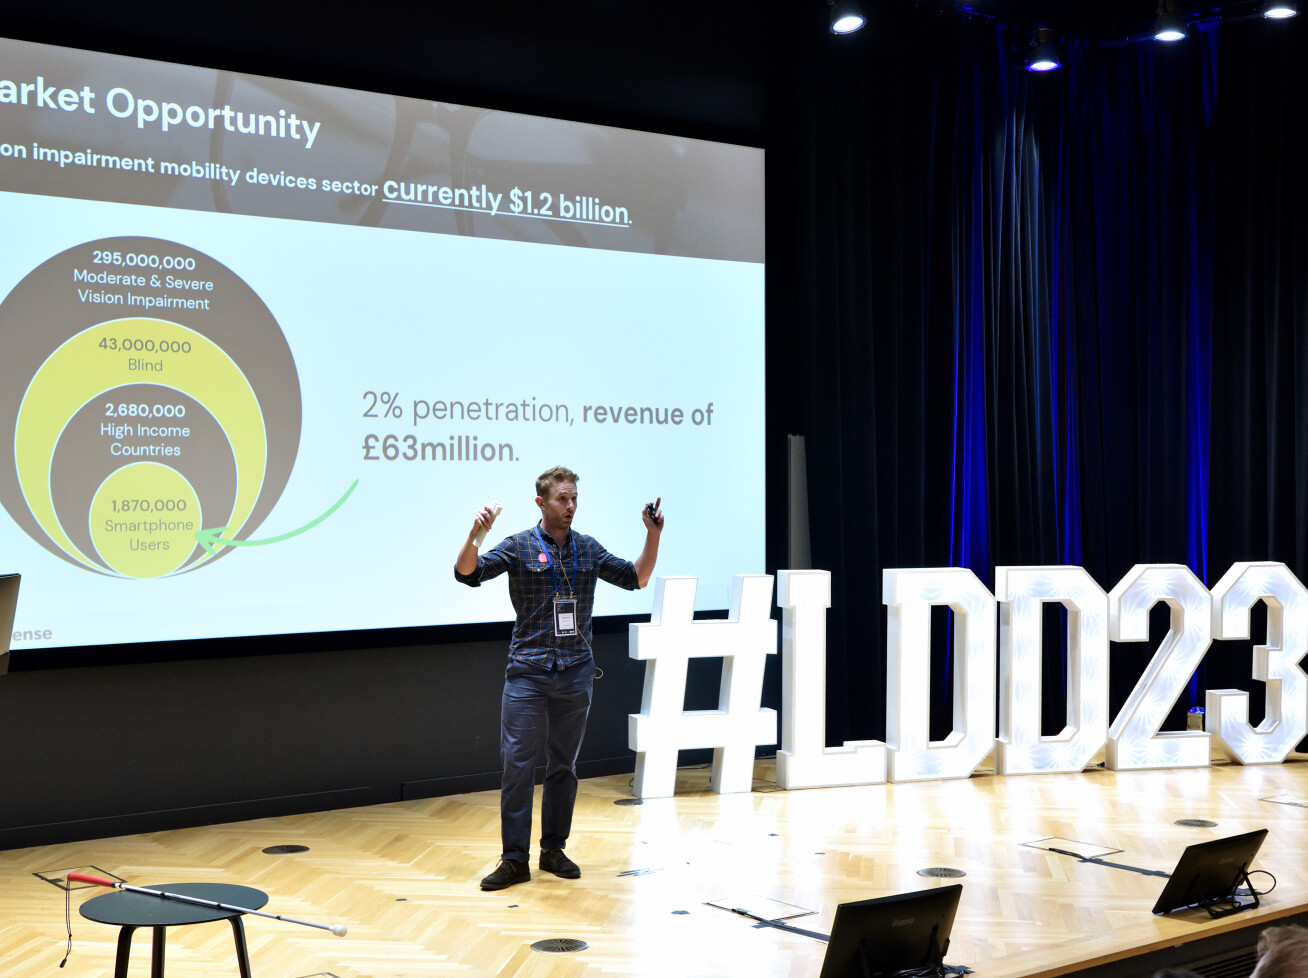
{"x":547,"y":686}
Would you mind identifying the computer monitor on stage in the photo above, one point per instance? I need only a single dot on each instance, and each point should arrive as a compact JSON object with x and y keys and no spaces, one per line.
{"x":1208,"y":874}
{"x":892,"y":935}
{"x":8,"y":602}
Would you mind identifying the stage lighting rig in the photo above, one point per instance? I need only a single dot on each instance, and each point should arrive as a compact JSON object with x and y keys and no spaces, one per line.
{"x":846,"y":16}
{"x":1170,"y":25}
{"x":1044,"y":55}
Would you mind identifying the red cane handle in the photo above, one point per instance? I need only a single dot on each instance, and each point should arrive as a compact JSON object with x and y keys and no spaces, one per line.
{"x":93,"y":880}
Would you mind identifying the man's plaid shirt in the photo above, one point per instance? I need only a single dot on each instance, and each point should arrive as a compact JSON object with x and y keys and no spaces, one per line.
{"x":531,"y":589}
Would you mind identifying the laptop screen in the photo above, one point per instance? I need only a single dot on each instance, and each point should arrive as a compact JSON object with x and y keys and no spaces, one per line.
{"x":1209,"y":871}
{"x":891,"y":934}
{"x":8,"y":601}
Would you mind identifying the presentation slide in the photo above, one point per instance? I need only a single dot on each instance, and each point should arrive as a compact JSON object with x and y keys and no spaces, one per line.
{"x":266,"y":347}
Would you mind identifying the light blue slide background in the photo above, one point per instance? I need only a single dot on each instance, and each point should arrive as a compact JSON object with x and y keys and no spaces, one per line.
{"x":452,"y":318}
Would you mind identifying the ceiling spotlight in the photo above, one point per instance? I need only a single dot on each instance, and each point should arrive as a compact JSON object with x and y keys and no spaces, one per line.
{"x":1170,"y":25}
{"x":846,"y":17}
{"x":1281,"y":9}
{"x":1043,"y":55}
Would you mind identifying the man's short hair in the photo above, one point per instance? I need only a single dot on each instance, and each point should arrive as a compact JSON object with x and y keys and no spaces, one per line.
{"x":1282,"y":952}
{"x":551,"y":477}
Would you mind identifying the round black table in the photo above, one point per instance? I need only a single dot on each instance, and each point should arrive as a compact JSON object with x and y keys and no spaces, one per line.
{"x":132,"y":910}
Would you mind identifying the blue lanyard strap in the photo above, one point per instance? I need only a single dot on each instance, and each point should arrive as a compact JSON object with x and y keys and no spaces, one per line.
{"x":550,"y":561}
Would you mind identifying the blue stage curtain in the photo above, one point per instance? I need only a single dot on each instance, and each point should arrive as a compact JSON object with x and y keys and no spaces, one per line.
{"x":1047,"y":319}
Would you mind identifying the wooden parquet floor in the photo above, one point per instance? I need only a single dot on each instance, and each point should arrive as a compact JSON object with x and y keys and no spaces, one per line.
{"x":403,"y":877}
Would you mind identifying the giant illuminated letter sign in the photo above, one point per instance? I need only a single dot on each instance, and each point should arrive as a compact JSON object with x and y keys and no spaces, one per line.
{"x":1021,"y":592}
{"x":1134,"y":741}
{"x":1276,"y":663}
{"x":909,"y":595}
{"x":667,"y":643}
{"x":804,"y":760}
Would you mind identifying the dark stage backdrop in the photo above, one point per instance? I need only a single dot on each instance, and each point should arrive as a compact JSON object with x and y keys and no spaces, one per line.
{"x":1020,"y":320}
{"x":1046,"y":320}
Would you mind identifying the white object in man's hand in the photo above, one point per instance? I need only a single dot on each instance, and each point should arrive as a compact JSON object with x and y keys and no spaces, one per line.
{"x":495,"y":509}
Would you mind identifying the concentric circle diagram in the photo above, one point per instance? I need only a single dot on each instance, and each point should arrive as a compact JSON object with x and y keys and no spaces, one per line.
{"x":146,"y":394}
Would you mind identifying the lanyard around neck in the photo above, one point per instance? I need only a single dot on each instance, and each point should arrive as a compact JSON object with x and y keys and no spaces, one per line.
{"x":550,"y":561}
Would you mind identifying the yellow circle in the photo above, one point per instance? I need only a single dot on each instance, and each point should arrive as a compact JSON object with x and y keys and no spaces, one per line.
{"x":134,"y":351}
{"x":143,"y":520}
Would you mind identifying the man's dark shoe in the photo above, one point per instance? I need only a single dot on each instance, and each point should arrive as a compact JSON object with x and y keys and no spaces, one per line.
{"x":510,"y":871}
{"x":554,"y":861}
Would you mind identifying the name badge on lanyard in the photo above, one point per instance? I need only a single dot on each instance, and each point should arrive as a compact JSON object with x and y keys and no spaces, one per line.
{"x":565,"y":617}
{"x":565,"y":609}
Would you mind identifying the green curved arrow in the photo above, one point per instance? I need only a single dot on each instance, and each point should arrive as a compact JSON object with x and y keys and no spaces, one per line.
{"x":211,"y":539}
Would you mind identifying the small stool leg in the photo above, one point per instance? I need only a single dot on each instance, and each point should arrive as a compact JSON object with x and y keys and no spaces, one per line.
{"x":157,"y":953}
{"x":124,"y":951}
{"x":242,"y":953}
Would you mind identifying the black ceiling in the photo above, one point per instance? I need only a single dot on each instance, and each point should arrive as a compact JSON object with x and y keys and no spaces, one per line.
{"x":702,"y":67}
{"x":1094,"y":20}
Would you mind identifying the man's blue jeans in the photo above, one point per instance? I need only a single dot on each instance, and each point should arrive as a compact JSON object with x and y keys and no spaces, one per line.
{"x":549,"y":707}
